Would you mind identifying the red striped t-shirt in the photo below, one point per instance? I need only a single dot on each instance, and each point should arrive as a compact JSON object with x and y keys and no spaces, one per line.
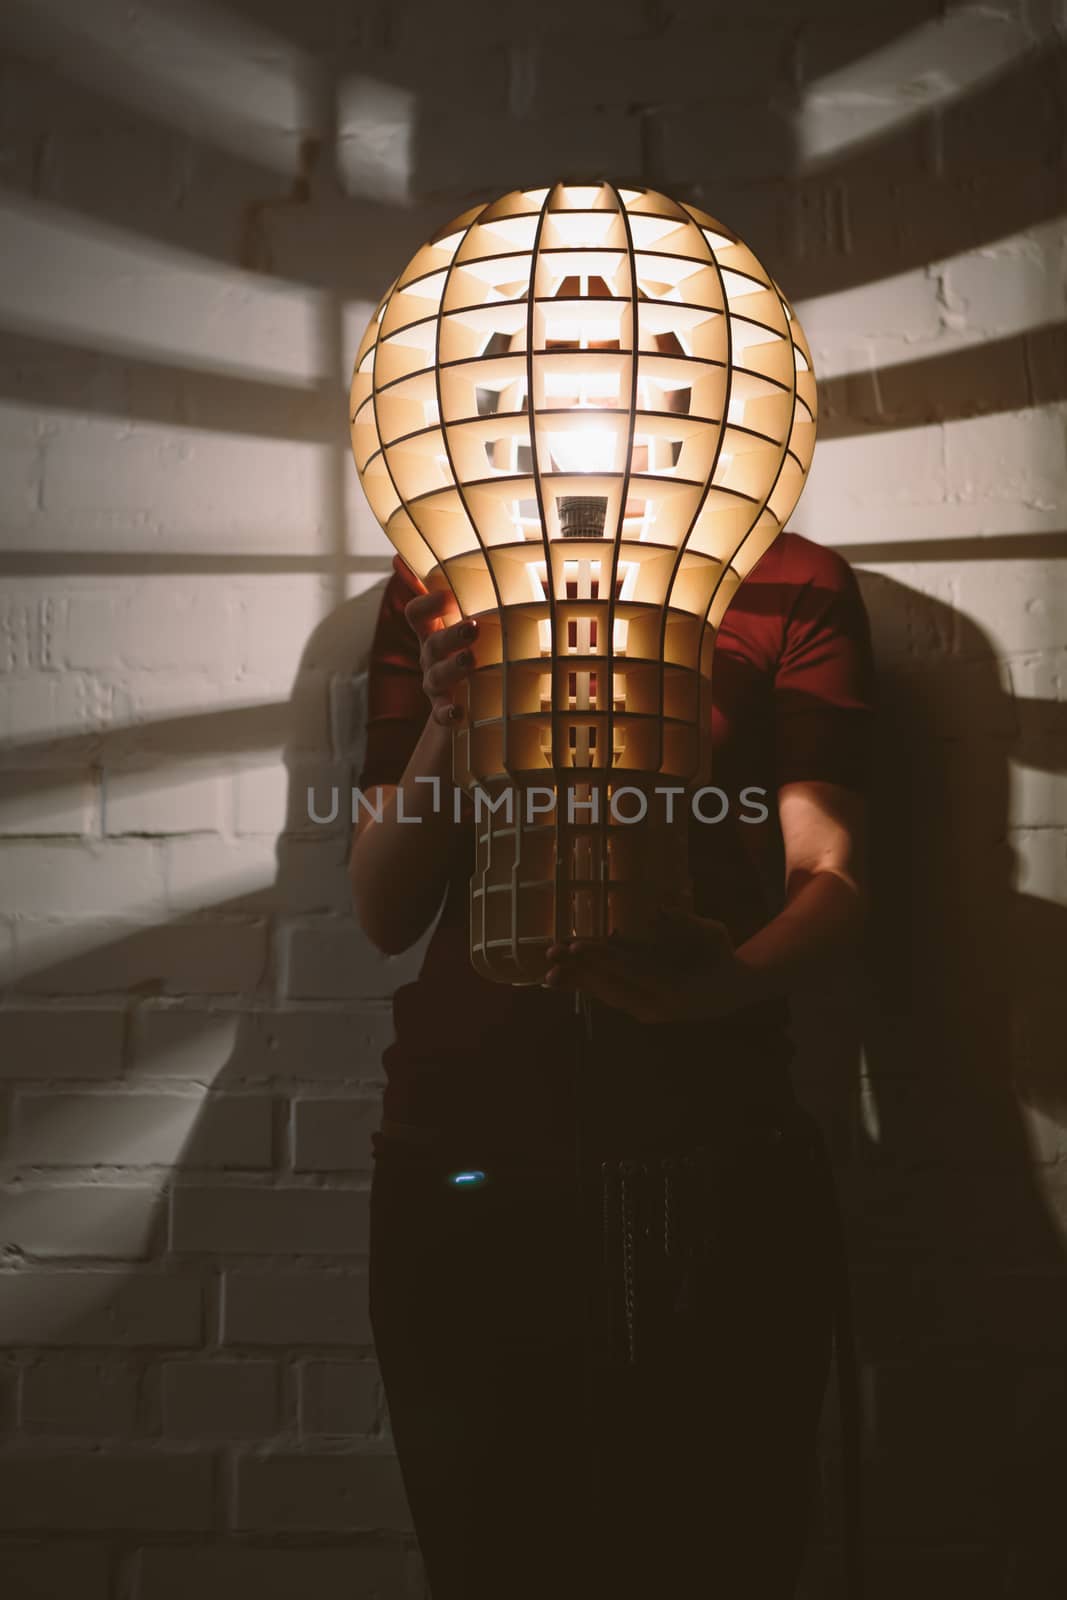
{"x":493,"y":1066}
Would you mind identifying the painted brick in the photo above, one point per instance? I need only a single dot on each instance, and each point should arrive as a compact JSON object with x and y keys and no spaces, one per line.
{"x":112,"y":1221}
{"x":295,"y":1308}
{"x":7,"y":953}
{"x":313,"y":872}
{"x":612,"y":68}
{"x":1023,"y":611}
{"x":1041,"y":866}
{"x":158,"y":623}
{"x":203,"y":487}
{"x":1039,"y":787}
{"x":309,"y":710}
{"x":494,"y":154}
{"x":55,"y":879}
{"x":173,"y":1042}
{"x":348,"y":719}
{"x":76,"y":1491}
{"x":1010,"y":286}
{"x":48,"y":802}
{"x":333,"y":1135}
{"x":142,"y":1128}
{"x":170,"y":1041}
{"x":80,"y":1307}
{"x":296,"y":1492}
{"x":60,"y":1043}
{"x":90,"y":1399}
{"x":199,"y":312}
{"x":20,"y":455}
{"x":340,"y":1397}
{"x":333,"y":959}
{"x":47,"y":1570}
{"x":97,"y":956}
{"x":278,"y":614}
{"x":164,"y":799}
{"x":277,"y":1221}
{"x":43,"y":703}
{"x":92,"y":621}
{"x":219,"y":1399}
{"x":880,"y":483}
{"x":1039,"y":683}
{"x":261,"y":797}
{"x":9,"y":1387}
{"x":218,"y":1572}
{"x":208,"y":872}
{"x":893,"y":319}
{"x":313,"y":1045}
{"x":1012,"y":458}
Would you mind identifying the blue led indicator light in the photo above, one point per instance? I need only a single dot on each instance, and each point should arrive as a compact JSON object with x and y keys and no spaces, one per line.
{"x":467,"y":1180}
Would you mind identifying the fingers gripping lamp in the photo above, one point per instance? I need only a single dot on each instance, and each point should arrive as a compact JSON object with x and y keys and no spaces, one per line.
{"x":586,"y":410}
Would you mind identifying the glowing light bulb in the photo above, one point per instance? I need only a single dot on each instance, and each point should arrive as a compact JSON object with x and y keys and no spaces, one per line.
{"x":588,"y":411}
{"x":583,"y":449}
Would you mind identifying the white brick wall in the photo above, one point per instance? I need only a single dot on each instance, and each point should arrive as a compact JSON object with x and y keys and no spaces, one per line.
{"x":192,"y":1024}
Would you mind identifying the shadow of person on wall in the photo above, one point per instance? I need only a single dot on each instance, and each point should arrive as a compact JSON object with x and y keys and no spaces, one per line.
{"x":936,"y":1067}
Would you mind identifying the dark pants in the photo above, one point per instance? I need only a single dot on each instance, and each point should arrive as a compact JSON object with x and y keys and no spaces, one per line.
{"x":535,"y":1469}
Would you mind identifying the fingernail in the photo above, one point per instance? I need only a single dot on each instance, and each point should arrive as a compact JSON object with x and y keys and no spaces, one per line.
{"x":465,"y":658}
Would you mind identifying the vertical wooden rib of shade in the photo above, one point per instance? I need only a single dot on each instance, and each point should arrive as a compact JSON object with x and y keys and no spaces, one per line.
{"x":371,"y":400}
{"x":402,"y":504}
{"x":683,"y":543}
{"x":602,"y":906}
{"x":787,"y":440}
{"x":550,"y":592}
{"x":383,"y":444}
{"x":458,"y":736}
{"x":703,"y":685}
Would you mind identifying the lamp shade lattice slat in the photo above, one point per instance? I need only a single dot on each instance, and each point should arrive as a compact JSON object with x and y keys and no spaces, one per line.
{"x":587,"y":410}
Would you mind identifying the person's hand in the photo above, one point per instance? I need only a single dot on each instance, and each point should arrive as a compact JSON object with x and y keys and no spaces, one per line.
{"x":445,"y":655}
{"x":686,"y":971}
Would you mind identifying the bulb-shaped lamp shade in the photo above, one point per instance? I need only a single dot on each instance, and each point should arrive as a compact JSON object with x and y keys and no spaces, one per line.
{"x":587,"y":410}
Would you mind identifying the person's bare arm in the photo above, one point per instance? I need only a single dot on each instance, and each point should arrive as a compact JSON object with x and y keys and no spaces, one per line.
{"x":701,"y":973}
{"x":398,"y":866}
{"x":822,"y":831}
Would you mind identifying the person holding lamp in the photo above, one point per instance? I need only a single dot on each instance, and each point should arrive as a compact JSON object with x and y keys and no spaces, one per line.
{"x":686,"y":1456}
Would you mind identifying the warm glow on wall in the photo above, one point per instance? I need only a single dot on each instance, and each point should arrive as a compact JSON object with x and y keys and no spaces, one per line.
{"x":588,"y":410}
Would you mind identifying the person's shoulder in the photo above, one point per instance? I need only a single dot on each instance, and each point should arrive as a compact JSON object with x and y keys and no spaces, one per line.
{"x":796,"y":560}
